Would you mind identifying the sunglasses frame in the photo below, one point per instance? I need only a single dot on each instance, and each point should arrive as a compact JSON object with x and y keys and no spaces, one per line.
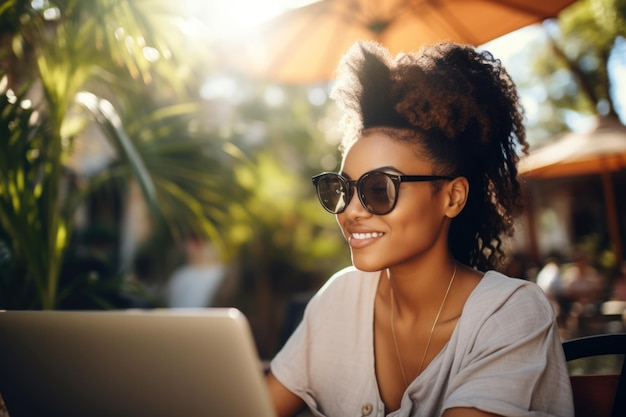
{"x":396,"y":179}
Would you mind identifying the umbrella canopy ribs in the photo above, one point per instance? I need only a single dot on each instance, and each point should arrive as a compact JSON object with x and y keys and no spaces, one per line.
{"x":305,"y":44}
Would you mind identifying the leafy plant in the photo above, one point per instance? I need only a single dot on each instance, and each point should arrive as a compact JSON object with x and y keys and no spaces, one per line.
{"x":67,"y":65}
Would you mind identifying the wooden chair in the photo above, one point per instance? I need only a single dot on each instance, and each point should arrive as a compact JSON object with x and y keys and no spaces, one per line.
{"x":598,"y":395}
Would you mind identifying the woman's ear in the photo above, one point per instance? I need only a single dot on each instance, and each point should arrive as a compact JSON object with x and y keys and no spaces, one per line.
{"x":457,"y":192}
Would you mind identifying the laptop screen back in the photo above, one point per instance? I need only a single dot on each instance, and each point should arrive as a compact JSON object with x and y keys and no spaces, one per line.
{"x":130,"y":363}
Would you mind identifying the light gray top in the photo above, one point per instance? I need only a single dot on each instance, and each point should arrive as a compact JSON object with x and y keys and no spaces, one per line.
{"x":504,"y":356}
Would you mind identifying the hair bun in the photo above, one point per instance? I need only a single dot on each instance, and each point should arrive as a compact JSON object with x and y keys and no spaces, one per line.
{"x":363,"y":87}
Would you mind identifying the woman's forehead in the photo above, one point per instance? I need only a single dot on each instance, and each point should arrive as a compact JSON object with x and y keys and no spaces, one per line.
{"x":377,"y":149}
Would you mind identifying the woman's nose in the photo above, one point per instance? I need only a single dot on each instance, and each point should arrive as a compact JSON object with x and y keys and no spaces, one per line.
{"x":354,"y":208}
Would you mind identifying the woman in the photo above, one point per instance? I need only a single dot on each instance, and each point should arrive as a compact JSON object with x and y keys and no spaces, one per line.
{"x":426,"y":190}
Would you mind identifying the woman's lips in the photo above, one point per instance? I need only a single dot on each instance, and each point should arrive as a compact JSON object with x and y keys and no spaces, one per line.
{"x":361,"y":240}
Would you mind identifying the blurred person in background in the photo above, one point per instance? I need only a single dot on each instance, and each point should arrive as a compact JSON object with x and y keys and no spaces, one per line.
{"x":196,"y":283}
{"x":550,"y":281}
{"x":615,"y":308}
{"x":583,"y":285}
{"x":583,"y":290}
{"x":619,"y":284}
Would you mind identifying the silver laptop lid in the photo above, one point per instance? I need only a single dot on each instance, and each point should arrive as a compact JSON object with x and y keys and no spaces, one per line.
{"x":130,"y":363}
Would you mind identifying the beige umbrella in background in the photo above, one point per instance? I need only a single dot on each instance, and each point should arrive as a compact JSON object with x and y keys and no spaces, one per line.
{"x":304,"y":45}
{"x":600,"y":151}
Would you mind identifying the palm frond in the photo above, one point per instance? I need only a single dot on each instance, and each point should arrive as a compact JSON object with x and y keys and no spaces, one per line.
{"x":108,"y":118}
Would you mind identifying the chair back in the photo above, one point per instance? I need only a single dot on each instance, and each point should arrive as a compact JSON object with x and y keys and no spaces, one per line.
{"x":598,"y":395}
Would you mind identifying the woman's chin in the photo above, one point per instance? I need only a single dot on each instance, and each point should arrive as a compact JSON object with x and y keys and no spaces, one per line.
{"x":364,"y":266}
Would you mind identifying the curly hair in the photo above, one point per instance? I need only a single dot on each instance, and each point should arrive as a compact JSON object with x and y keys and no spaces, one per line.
{"x":461,"y":108}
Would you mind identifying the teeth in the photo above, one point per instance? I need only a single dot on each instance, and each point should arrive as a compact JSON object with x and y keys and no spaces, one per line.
{"x":366,"y":235}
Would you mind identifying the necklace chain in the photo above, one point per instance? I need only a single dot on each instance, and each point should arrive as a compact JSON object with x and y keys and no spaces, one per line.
{"x":432,"y":330}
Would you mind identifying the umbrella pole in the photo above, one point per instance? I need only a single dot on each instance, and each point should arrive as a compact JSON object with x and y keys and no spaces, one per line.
{"x":611,"y":214}
{"x":529,"y":213}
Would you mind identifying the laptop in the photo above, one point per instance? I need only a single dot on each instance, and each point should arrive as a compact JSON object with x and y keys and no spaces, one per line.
{"x":131,"y":363}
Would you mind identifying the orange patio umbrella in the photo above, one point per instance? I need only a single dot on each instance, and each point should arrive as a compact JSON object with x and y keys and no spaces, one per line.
{"x":599,"y":151}
{"x":305,"y":44}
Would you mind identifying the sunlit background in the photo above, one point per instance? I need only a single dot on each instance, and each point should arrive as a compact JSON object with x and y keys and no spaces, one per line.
{"x":150,"y":147}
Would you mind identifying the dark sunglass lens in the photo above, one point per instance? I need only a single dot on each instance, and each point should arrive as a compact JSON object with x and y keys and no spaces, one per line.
{"x":378,"y":192}
{"x":332,"y":192}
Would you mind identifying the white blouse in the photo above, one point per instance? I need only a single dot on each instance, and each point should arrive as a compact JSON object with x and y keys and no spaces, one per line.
{"x":504,"y":356}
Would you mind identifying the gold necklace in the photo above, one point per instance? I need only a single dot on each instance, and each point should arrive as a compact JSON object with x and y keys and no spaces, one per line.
{"x":432,"y":330}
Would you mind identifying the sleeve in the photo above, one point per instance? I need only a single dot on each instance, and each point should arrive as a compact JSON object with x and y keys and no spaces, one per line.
{"x":291,"y":365}
{"x":306,"y":353}
{"x":328,"y":361}
{"x":514,"y":362}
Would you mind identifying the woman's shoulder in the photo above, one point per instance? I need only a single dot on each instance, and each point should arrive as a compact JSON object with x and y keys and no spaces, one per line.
{"x":497,"y":284}
{"x":500,"y":312}
{"x":498,"y":295}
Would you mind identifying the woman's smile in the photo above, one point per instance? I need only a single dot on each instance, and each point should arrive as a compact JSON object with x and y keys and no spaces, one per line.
{"x":361,"y":236}
{"x":362,"y":240}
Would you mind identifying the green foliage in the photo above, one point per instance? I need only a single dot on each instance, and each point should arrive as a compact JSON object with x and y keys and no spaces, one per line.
{"x":563,"y":71}
{"x":586,"y":36}
{"x":64,"y":56}
{"x":282,"y":232}
{"x":190,"y":168}
{"x":27,"y":216}
{"x":300,"y":244}
{"x":236,"y":173}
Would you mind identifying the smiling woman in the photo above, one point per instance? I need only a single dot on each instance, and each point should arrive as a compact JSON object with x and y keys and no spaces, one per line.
{"x":421,"y":324}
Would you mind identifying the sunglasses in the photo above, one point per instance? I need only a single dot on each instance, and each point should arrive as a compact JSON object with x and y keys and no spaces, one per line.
{"x":377,"y":190}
